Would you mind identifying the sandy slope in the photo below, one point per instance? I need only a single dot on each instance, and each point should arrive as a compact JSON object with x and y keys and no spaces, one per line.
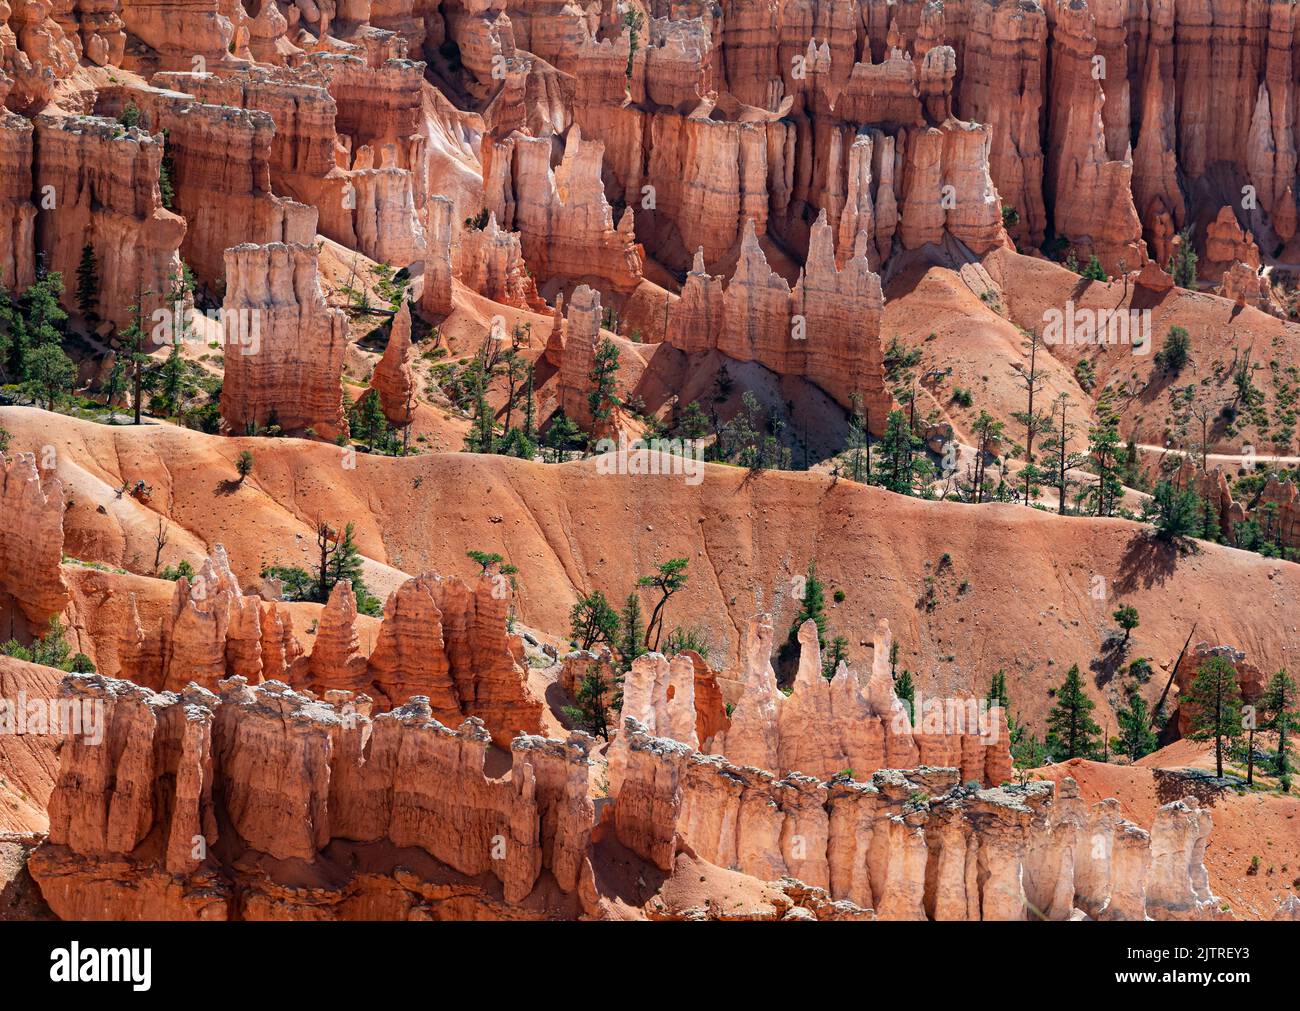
{"x":1023,"y":590}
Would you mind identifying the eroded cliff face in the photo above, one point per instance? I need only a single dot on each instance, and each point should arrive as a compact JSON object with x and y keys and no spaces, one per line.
{"x":824,"y":728}
{"x":171,"y":817}
{"x":211,"y":631}
{"x":443,"y":639}
{"x":32,"y":588}
{"x":290,"y":374}
{"x":915,"y":844}
{"x":99,"y":186}
{"x":826,"y":330}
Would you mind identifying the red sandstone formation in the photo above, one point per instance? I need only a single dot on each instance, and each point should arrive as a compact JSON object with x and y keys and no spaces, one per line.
{"x":288,"y":375}
{"x":825,"y":727}
{"x":32,"y":588}
{"x":100,"y":182}
{"x":581,"y":337}
{"x":565,"y":224}
{"x":212,"y":631}
{"x":441,"y":639}
{"x":393,"y":377}
{"x":176,"y":767}
{"x":825,"y":330}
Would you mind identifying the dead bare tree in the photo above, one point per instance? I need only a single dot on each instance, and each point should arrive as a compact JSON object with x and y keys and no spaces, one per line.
{"x":1030,"y":381}
{"x":160,"y":542}
{"x":327,"y":542}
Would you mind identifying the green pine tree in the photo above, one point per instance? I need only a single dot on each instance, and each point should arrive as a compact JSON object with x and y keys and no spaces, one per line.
{"x":906,"y":692}
{"x":88,"y":285}
{"x":1281,"y":705}
{"x":998,"y":690}
{"x":1136,"y":738}
{"x":603,"y":397}
{"x":835,"y":654}
{"x":50,"y":374}
{"x":593,"y":622}
{"x":1215,"y":702}
{"x":1071,"y":732}
{"x":631,"y":636}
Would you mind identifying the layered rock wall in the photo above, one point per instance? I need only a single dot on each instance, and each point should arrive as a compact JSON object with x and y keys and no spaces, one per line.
{"x":178,"y":768}
{"x":31,"y":547}
{"x":290,"y":374}
{"x":98,"y":183}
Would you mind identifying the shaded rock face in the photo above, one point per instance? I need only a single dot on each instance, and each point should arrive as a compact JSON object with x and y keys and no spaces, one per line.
{"x":17,"y":212}
{"x":491,"y":261}
{"x":847,"y":725}
{"x":32,"y":588}
{"x":101,"y":182}
{"x":220,"y":172}
{"x":566,"y":226}
{"x":286,"y":368}
{"x":826,"y":330}
{"x":188,"y":791}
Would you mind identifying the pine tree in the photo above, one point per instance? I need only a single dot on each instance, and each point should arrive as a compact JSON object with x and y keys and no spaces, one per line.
{"x":1071,"y":732}
{"x":894,"y":455}
{"x":132,"y":339}
{"x":603,"y":397}
{"x":1215,"y":701}
{"x":166,"y":173}
{"x":836,"y":653}
{"x":1103,"y":447}
{"x":998,"y":690}
{"x":1094,"y":271}
{"x":592,"y":710}
{"x":1136,"y":738}
{"x":171,"y":378}
{"x":1182,"y":265}
{"x":88,"y":285}
{"x":481,"y":437}
{"x":115,"y":381}
{"x":1281,"y":705}
{"x":632,"y":631}
{"x":592,"y":621}
{"x":367,"y":420}
{"x":812,"y":606}
{"x":906,"y":692}
{"x":1126,"y":617}
{"x":693,"y":423}
{"x":1176,"y":513}
{"x":988,"y":430}
{"x":560,"y":434}
{"x":668,"y":578}
{"x":530,"y":408}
